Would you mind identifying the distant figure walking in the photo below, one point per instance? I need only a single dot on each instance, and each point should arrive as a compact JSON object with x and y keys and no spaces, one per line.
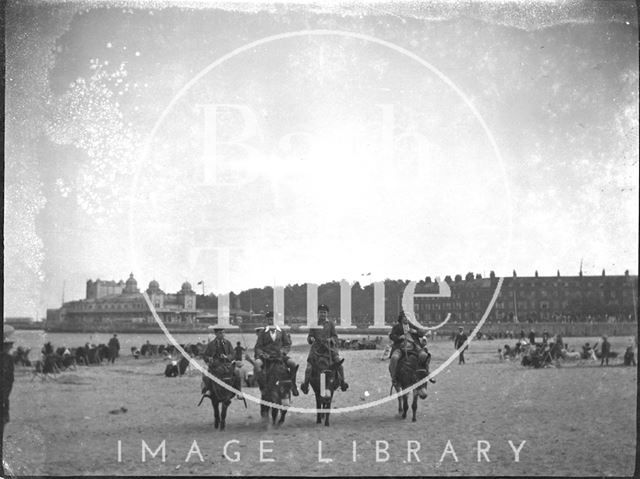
{"x":114,"y":348}
{"x":606,"y":349}
{"x":459,"y":340}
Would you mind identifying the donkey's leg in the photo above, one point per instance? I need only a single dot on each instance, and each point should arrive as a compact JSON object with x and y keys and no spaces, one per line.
{"x":318,"y":406}
{"x":283,"y":413}
{"x":216,"y":413}
{"x":327,"y":406}
{"x":223,"y":415}
{"x":414,"y":405}
{"x":274,"y":414}
{"x":405,"y":405}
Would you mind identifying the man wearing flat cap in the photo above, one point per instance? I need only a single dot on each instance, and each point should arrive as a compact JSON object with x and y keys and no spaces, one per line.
{"x":326,"y":332}
{"x":7,"y":373}
{"x":219,"y":352}
{"x":406,"y":338}
{"x":219,"y":349}
{"x":272,"y":342}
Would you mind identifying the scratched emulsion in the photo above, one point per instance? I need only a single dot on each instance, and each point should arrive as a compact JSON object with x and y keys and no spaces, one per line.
{"x":88,"y":116}
{"x":31,"y":33}
{"x":86,"y":81}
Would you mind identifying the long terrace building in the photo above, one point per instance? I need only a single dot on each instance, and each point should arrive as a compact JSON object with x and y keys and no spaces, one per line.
{"x":535,"y":298}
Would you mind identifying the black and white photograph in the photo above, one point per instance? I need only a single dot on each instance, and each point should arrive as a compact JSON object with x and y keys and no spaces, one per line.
{"x":297,"y":238}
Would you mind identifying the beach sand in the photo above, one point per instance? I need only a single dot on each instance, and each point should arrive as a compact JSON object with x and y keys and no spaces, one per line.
{"x":578,"y":419}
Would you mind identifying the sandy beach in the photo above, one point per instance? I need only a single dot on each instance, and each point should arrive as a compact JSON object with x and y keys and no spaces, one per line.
{"x":577,"y":419}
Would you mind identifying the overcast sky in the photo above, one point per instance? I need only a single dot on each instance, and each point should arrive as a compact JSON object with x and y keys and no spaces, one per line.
{"x":397,"y":140}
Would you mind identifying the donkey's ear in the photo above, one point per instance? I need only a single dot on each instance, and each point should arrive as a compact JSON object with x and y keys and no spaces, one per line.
{"x":341,"y":361}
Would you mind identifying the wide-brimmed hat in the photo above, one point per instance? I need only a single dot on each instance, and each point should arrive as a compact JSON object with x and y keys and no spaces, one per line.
{"x":323,"y":307}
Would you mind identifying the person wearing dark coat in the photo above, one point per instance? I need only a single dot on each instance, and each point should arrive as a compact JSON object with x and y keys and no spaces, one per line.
{"x":405,"y":338}
{"x":238,"y":352}
{"x":532,"y":337}
{"x":114,"y":348}
{"x":273,"y":341}
{"x":459,"y":340}
{"x":325,"y":334}
{"x":47,"y":349}
{"x":606,"y":349}
{"x":545,"y":336}
{"x":6,"y":384}
{"x":629,"y":357}
{"x":219,"y":352}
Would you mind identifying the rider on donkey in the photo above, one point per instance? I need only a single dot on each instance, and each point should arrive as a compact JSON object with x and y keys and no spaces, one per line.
{"x":219,"y":353}
{"x":406,"y":339}
{"x":326,"y":333}
{"x":273,"y":342}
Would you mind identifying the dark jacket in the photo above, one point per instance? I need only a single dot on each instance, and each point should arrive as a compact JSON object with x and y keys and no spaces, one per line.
{"x":238,"y":353}
{"x":220,"y":349}
{"x":114,"y":344}
{"x":397,"y":331}
{"x":459,"y":340}
{"x":47,"y":349}
{"x":6,"y":384}
{"x":606,"y":348}
{"x":327,"y":332}
{"x":265,"y":346}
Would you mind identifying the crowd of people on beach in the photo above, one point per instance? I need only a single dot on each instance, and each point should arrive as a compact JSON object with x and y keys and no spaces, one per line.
{"x":530,"y":349}
{"x":553,"y":348}
{"x":53,"y":360}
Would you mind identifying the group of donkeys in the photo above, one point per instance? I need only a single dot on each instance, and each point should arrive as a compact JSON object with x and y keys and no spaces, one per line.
{"x":542,"y":354}
{"x":325,"y":380}
{"x":54,"y":360}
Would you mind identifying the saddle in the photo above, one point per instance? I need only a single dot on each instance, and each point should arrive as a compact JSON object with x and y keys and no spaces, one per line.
{"x":222,"y":369}
{"x":276,"y":377}
{"x":318,"y":354}
{"x":271,"y":361}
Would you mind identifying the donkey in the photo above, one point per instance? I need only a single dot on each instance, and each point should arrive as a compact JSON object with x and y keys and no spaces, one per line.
{"x":407,"y":375}
{"x":277,"y":389}
{"x":219,"y":395}
{"x":325,"y":379}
